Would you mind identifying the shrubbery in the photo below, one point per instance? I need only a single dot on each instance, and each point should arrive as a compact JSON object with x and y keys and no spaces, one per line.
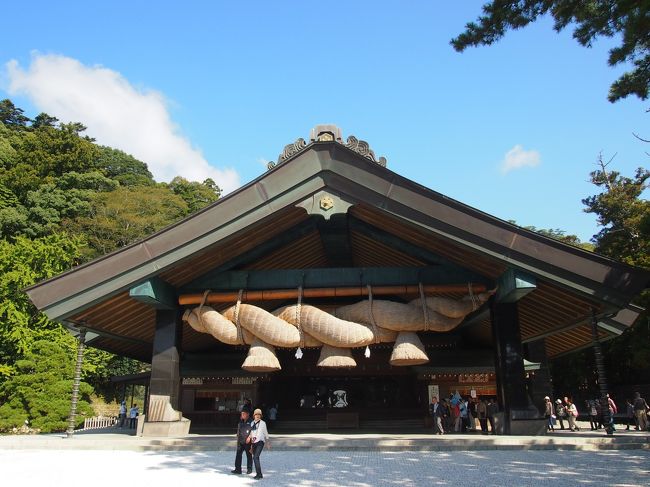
{"x":40,"y":390}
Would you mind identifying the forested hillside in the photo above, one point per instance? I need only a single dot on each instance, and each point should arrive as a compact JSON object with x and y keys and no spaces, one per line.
{"x":64,"y":200}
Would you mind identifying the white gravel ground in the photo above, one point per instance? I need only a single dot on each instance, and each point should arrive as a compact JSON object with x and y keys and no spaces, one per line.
{"x":359,"y":469}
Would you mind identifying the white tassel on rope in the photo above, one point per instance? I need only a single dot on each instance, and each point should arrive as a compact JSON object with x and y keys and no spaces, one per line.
{"x":298,"y":316}
{"x":375,"y":331}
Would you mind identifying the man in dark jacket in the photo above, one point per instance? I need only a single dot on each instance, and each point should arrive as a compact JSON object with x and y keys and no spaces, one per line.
{"x":243,"y":431}
{"x":492,"y":410}
{"x":437,"y":413}
{"x":248,"y":407}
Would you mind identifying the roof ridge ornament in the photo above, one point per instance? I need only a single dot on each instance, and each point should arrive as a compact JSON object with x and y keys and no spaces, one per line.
{"x":328,"y":133}
{"x":362,"y":147}
{"x":289,"y":150}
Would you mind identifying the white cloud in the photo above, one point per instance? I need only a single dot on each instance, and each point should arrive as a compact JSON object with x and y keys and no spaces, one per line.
{"x":116,"y":113}
{"x":518,"y":157}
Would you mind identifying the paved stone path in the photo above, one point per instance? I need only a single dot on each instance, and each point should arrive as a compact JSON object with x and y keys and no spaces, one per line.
{"x":327,"y":469}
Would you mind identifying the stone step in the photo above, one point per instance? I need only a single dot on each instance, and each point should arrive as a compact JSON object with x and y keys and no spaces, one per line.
{"x":336,"y":442}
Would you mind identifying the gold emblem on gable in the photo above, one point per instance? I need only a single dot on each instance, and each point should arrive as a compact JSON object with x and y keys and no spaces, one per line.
{"x":326,"y":203}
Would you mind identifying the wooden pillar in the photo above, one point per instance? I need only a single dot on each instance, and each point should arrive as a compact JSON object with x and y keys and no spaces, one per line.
{"x":163,"y":415}
{"x":602,"y":376}
{"x":165,"y":362}
{"x":509,"y":367}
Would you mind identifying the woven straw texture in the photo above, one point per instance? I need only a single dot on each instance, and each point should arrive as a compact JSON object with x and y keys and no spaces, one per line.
{"x":261,"y":358}
{"x":408,"y":350}
{"x":352,"y":326}
{"x":336,"y":358}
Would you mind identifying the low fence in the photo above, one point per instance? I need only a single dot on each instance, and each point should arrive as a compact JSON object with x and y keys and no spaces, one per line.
{"x":97,"y":422}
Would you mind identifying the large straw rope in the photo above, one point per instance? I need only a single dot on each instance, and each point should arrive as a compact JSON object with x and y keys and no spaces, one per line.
{"x":352,"y":326}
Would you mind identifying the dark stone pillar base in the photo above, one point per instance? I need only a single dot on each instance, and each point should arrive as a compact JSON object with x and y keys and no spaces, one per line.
{"x":163,"y":415}
{"x":509,"y":366}
{"x":165,"y":363}
{"x":528,"y":427}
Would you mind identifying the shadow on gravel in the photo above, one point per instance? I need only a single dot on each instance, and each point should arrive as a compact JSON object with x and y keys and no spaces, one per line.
{"x":485,"y":468}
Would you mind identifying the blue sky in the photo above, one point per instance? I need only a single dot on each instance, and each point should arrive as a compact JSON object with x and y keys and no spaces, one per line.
{"x":215,"y":88}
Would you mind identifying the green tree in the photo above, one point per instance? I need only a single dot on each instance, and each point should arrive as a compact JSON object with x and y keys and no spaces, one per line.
{"x":23,"y":263}
{"x":559,"y":234}
{"x":44,"y":120}
{"x":40,"y":156}
{"x":7,"y":152}
{"x":7,"y":198}
{"x":623,"y":215}
{"x":124,"y":168}
{"x":53,"y":178}
{"x":40,"y":391}
{"x":46,"y":207}
{"x":592,"y":19}
{"x":121,"y":217}
{"x":196,"y":195}
{"x":11,"y":115}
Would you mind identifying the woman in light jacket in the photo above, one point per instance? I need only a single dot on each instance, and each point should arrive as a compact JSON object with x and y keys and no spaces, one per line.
{"x":258,"y":437}
{"x":572,"y":414}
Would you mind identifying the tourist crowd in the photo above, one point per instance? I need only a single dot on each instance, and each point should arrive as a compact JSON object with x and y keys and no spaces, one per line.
{"x":460,"y":414}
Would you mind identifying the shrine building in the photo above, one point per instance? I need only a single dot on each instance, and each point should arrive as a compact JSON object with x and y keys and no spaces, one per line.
{"x":346,"y":294}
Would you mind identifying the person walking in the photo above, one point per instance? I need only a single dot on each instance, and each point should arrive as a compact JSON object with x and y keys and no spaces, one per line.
{"x":122,"y":413}
{"x":492,"y":410}
{"x":481,"y":411}
{"x":243,"y":443}
{"x":259,"y":436}
{"x":640,"y":412}
{"x":560,"y":412}
{"x":612,"y":411}
{"x":593,"y":414}
{"x":437,"y":415}
{"x":572,"y":414}
{"x":273,"y":416}
{"x":629,"y":413}
{"x":471,"y":414}
{"x":548,"y":413}
{"x":455,"y":412}
{"x":464,"y":416}
{"x":133,"y":416}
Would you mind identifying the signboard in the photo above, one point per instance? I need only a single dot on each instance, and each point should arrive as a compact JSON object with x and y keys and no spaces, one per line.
{"x":434,"y":390}
{"x":240,"y":381}
{"x":472,"y":378}
{"x":192,"y":381}
{"x":197,"y":381}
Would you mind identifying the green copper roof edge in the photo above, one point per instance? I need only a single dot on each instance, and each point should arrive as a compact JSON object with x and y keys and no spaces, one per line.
{"x":619,"y":299}
{"x":92,"y":295}
{"x":318,"y":165}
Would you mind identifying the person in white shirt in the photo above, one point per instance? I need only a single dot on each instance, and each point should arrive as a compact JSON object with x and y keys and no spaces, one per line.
{"x":122,"y":413}
{"x":258,"y":437}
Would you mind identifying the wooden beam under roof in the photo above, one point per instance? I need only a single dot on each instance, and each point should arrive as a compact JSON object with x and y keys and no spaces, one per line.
{"x":328,"y":277}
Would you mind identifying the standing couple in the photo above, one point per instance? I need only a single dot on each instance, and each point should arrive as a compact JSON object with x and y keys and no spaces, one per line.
{"x":251,"y":437}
